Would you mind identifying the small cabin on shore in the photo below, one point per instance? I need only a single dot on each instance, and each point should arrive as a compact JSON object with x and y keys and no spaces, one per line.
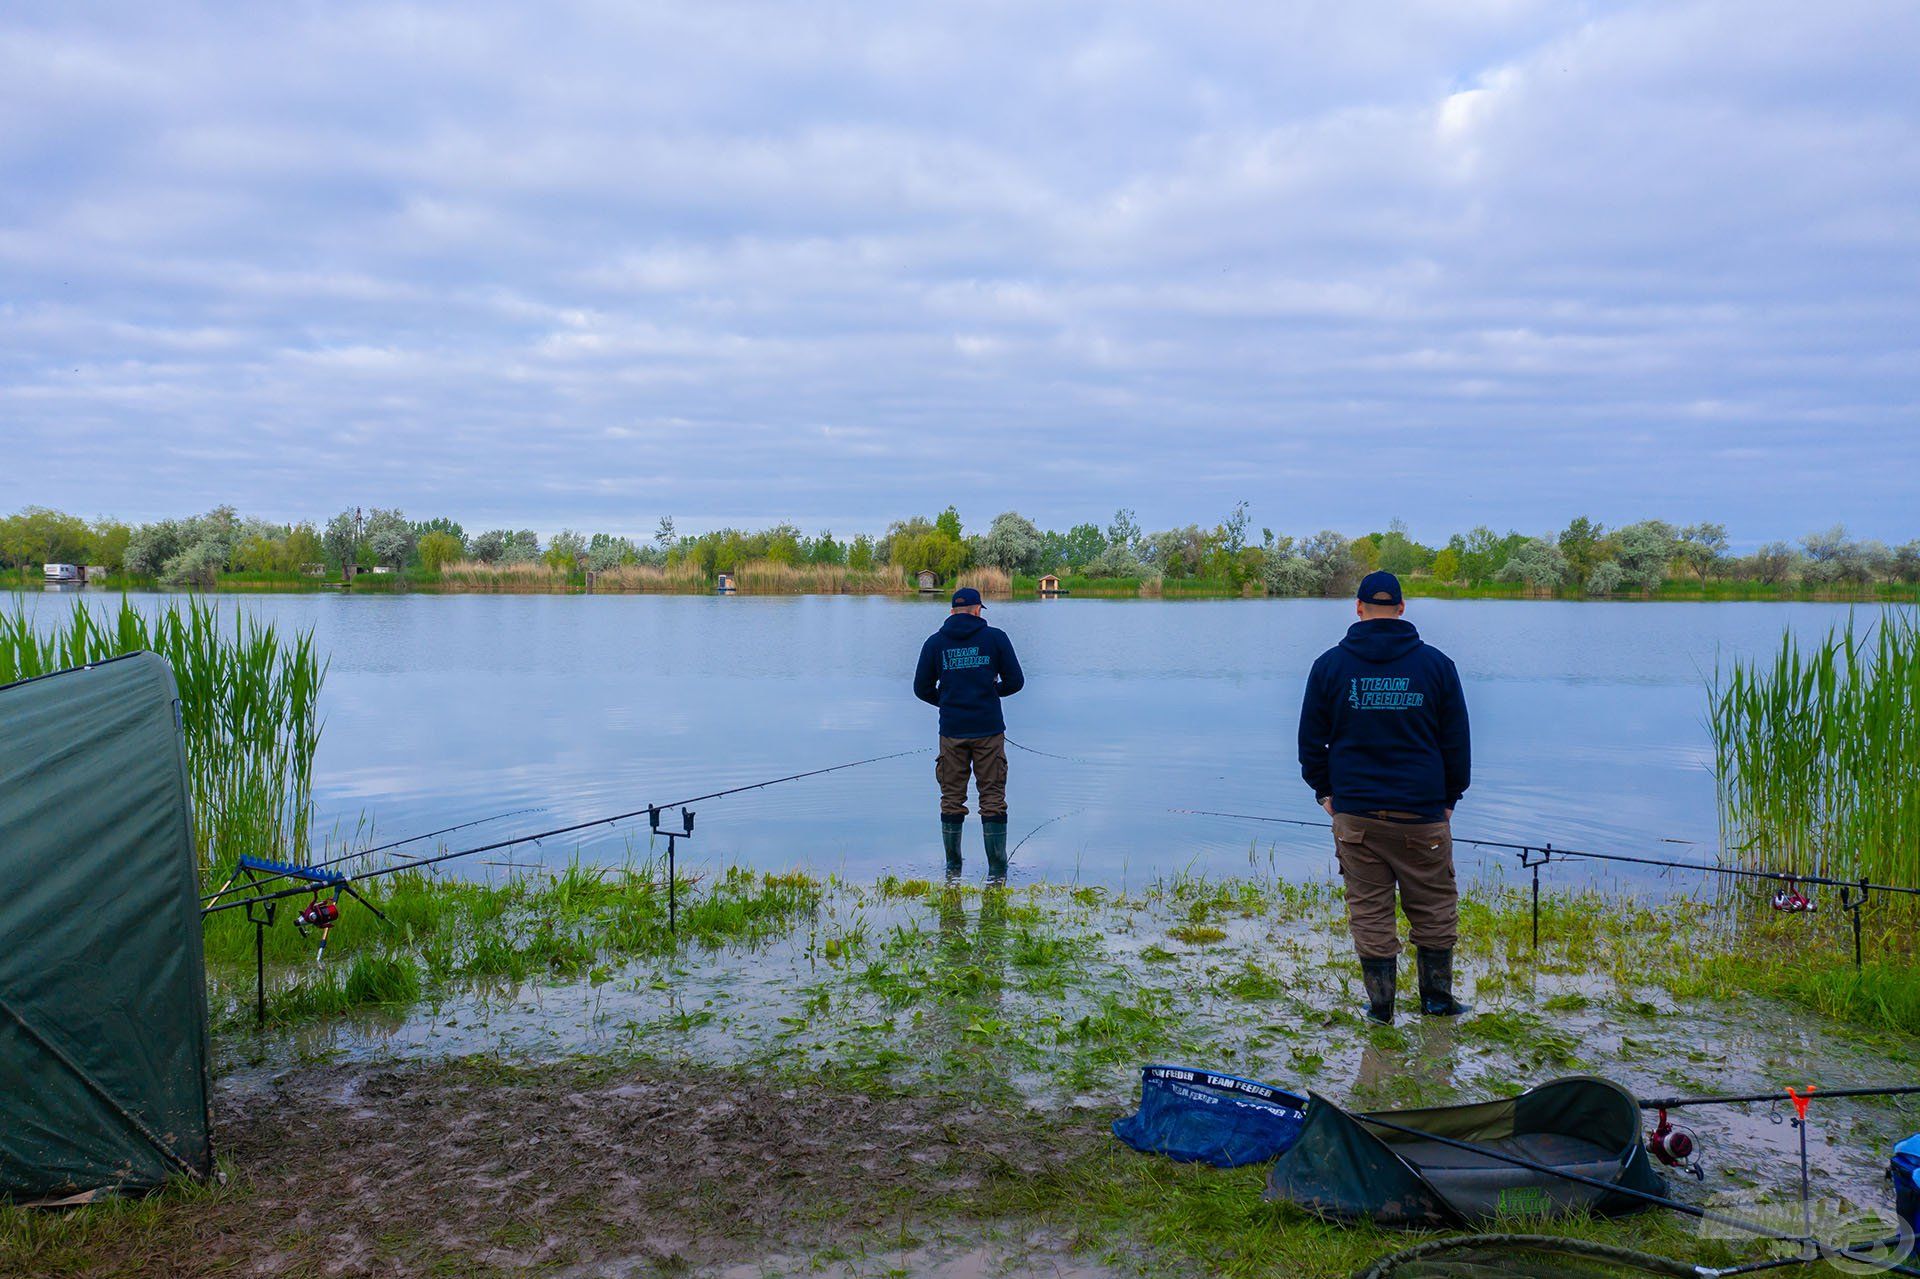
{"x":929,"y":581}
{"x":63,"y":573}
{"x":723,"y":584}
{"x":1050,"y":585}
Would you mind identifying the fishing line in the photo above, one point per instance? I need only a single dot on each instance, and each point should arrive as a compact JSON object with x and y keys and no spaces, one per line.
{"x":1070,"y":759}
{"x":1042,"y":826}
{"x":1852,"y":1252}
{"x":382,"y":848}
{"x":1777,"y":876}
{"x":536,"y":836}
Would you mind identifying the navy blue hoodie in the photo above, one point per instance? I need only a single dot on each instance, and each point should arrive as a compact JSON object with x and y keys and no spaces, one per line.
{"x":1384,"y":724}
{"x":965,"y":668}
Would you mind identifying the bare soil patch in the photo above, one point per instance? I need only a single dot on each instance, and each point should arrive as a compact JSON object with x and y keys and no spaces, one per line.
{"x":584,"y":1169}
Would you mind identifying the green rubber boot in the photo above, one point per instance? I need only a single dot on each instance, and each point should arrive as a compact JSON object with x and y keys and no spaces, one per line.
{"x":950,"y":829}
{"x":996,"y":834}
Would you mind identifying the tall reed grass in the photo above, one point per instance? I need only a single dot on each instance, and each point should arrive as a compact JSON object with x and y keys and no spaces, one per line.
{"x":1817,"y":752}
{"x":770,"y":577}
{"x":672,"y":579}
{"x":532,"y":576}
{"x":988,"y":581}
{"x":249,"y":708}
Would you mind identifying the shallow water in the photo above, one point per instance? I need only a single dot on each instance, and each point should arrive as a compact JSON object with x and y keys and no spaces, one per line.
{"x":786,"y":1004}
{"x":1588,"y":719}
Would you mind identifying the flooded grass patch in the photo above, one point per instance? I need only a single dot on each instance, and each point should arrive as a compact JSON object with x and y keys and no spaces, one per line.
{"x":824,"y":1077}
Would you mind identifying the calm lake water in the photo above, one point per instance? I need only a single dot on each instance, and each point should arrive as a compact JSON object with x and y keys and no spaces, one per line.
{"x":1589,"y":723}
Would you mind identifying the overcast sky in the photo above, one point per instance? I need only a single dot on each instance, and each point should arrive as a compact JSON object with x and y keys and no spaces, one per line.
{"x":587,"y":263}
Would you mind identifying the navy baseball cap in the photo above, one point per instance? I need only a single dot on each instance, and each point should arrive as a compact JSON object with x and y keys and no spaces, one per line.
{"x":966,"y":597}
{"x":1380,"y":587}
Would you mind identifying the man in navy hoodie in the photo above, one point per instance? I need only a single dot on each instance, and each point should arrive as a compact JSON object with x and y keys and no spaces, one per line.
{"x":1383,"y":743}
{"x":965,"y":668}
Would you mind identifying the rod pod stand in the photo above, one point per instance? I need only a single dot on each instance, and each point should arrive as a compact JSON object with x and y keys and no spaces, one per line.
{"x":673,"y":839}
{"x":261,"y":919}
{"x":1852,"y":904}
{"x":1533,"y":859}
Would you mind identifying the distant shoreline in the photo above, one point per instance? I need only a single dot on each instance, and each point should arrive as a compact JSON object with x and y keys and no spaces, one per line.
{"x":1672,"y":591}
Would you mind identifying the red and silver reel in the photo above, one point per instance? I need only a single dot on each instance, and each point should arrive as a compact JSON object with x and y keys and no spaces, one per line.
{"x":1791,"y":899}
{"x":321,"y":912}
{"x":1675,"y":1146}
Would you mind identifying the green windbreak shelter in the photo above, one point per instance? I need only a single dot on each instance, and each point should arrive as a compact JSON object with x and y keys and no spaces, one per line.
{"x":103,"y":1005}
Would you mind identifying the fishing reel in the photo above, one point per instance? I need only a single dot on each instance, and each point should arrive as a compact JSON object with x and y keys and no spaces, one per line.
{"x":1789,"y":898}
{"x":1675,"y":1146}
{"x":321,"y":912}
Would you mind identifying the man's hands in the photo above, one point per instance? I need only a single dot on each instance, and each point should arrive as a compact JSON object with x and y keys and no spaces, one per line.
{"x":1327,"y":804}
{"x":1446,"y":814}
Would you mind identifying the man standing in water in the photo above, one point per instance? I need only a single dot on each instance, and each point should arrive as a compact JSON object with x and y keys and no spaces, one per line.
{"x":965,"y":668}
{"x":1383,"y":743}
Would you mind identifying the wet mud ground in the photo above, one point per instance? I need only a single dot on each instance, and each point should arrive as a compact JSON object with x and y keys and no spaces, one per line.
{"x":910,"y":1080}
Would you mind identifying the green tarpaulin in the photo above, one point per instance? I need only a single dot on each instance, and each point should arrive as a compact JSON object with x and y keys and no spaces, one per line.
{"x":103,"y":1013}
{"x":1348,"y":1169}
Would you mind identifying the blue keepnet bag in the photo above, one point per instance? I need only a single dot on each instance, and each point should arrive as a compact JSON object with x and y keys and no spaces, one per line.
{"x":1201,"y":1115}
{"x":1904,"y":1168}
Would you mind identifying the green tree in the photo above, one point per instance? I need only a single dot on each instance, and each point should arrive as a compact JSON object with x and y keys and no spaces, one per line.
{"x":342,"y":540}
{"x":110,"y":538}
{"x":1605,"y":579}
{"x":1583,"y":544}
{"x":1703,"y":547}
{"x":41,"y":535}
{"x":441,"y":524}
{"x":389,"y":537}
{"x":1536,"y":562}
{"x":303,"y":547}
{"x":1644,"y":551}
{"x":438,"y":549}
{"x":566,"y":550}
{"x":1446,"y":565}
{"x":860,"y":554}
{"x":1012,"y":543}
{"x":1400,"y":554}
{"x":948,"y":523}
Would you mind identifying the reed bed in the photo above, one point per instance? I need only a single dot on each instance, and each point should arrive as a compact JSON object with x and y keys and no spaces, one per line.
{"x":672,"y":579}
{"x":771,"y":577}
{"x":528,"y":577}
{"x":249,"y":709}
{"x":988,"y":581}
{"x":1817,"y":752}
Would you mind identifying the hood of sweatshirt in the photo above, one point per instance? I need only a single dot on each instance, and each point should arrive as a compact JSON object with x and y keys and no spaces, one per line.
{"x":963,"y":626}
{"x":1381,"y":639}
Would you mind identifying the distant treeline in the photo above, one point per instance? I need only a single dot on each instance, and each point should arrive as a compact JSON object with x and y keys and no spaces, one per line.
{"x":1586,"y":557}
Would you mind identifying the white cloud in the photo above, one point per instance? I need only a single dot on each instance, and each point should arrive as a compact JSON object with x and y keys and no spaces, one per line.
{"x":833,"y":263}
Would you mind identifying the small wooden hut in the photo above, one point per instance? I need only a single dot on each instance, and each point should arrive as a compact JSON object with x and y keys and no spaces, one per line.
{"x":723,"y":584}
{"x":929,"y":581}
{"x":1050,"y":585}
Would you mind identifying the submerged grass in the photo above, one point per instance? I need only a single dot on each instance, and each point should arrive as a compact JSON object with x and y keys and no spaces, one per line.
{"x":249,"y":711}
{"x":442,"y":932}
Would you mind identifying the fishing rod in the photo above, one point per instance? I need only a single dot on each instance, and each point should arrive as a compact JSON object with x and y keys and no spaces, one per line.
{"x":651,"y":810}
{"x":1820,"y":1249}
{"x":1853,"y":892}
{"x":1674,"y":1103}
{"x":379,"y":848}
{"x":324,"y":912}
